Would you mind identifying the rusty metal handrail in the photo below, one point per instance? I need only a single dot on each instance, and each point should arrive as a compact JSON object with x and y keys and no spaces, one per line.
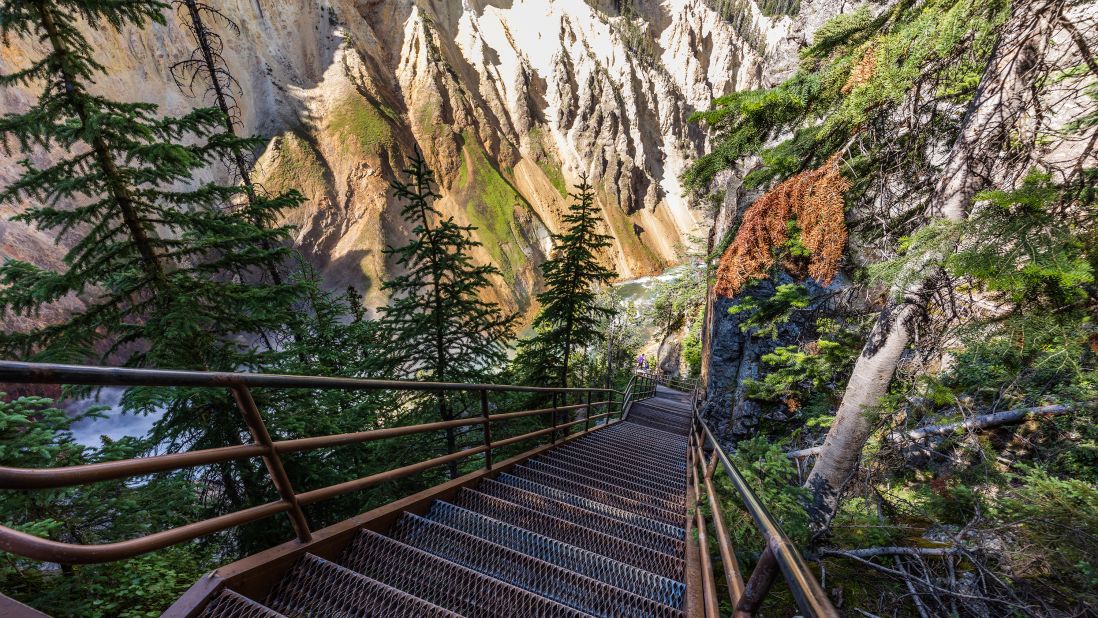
{"x":262,"y":446}
{"x":780,"y":553}
{"x":48,"y":373}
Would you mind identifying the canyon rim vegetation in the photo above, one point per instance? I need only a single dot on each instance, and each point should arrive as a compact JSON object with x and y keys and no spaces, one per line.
{"x":871,"y":230}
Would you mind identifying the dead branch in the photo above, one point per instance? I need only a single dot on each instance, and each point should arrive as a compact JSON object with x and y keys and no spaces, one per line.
{"x":872,"y":552}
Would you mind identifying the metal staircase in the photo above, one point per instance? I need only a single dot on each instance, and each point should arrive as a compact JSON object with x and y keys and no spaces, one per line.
{"x":600,"y":517}
{"x":594,"y":527}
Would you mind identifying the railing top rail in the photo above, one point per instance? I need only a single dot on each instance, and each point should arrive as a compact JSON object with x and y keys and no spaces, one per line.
{"x":662,"y":377}
{"x":48,"y":373}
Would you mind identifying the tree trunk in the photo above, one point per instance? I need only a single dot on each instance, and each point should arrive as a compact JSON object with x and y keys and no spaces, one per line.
{"x":1003,"y":95}
{"x":117,"y":185}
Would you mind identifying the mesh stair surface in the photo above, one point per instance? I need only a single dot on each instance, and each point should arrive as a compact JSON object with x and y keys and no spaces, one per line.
{"x":592,"y":527}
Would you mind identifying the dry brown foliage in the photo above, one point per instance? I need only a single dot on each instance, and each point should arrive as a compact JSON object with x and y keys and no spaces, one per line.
{"x":815,"y":199}
{"x":862,"y":72}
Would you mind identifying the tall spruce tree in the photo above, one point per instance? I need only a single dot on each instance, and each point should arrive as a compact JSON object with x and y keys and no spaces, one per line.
{"x":164,"y":275}
{"x":206,"y":66}
{"x":150,"y":263}
{"x":570,"y":314}
{"x":437,"y":325}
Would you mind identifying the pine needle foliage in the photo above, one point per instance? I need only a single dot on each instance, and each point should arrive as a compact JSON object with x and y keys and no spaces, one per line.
{"x":159,"y":270}
{"x":570,"y":313}
{"x":857,"y":72}
{"x":814,"y":201}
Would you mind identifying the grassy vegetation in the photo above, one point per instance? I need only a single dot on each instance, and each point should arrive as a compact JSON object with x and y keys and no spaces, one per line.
{"x":296,"y":164}
{"x":361,"y":125}
{"x":547,"y":160}
{"x":630,"y":242}
{"x":555,"y":176}
{"x":491,"y":201}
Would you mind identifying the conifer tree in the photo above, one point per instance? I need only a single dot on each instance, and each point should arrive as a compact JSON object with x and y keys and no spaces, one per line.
{"x":570,"y":314}
{"x":437,"y":325}
{"x":206,"y":66}
{"x":151,"y":263}
{"x":165,"y":275}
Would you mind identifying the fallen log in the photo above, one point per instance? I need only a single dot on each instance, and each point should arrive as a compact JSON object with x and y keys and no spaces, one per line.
{"x":974,"y":423}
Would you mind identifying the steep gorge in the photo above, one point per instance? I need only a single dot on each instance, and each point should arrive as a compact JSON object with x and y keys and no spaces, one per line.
{"x":511,"y":102}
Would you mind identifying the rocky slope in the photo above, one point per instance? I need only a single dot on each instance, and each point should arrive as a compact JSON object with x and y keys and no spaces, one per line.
{"x":510,"y":101}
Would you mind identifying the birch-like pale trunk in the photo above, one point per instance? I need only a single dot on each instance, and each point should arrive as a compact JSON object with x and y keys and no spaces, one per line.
{"x":1003,"y":96}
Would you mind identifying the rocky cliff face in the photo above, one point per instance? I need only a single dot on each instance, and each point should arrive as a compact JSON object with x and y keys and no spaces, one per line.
{"x":511,"y":101}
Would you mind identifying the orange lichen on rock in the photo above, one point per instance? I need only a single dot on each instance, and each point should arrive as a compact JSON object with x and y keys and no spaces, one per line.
{"x":862,"y":72}
{"x":815,"y":200}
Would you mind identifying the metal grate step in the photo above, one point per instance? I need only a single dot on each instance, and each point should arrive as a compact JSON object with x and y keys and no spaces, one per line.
{"x":229,"y":604}
{"x":639,"y":486}
{"x":627,"y":489}
{"x":640,"y":521}
{"x":668,"y":437}
{"x":660,"y":422}
{"x":318,"y":588}
{"x":644,"y":441}
{"x":676,"y":518}
{"x":638,"y":581}
{"x":581,"y":517}
{"x":573,"y":534}
{"x":529,"y":573}
{"x":612,"y":465}
{"x":653,"y":437}
{"x":616,"y":451}
{"x":443,"y":582}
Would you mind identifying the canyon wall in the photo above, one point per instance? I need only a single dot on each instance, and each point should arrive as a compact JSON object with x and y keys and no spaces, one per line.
{"x":511,"y":102}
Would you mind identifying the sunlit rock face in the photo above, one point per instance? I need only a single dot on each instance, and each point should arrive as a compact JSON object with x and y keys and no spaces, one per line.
{"x":511,"y":102}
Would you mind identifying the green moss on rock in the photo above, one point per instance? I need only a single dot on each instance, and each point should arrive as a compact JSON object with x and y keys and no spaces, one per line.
{"x":360,"y":125}
{"x":295,"y":164}
{"x":491,"y":202}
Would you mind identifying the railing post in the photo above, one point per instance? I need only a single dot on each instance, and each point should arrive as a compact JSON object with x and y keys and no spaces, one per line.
{"x":587,"y":413}
{"x":487,"y":429}
{"x":273,"y":462}
{"x":766,"y":570}
{"x":553,"y":435}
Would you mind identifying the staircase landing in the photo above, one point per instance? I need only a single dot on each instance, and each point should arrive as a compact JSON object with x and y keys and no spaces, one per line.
{"x":594,"y":526}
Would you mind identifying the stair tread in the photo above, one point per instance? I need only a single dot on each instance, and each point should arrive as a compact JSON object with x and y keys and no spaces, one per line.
{"x":445,"y":583}
{"x":607,"y":497}
{"x":317,"y":587}
{"x":613,"y":449}
{"x":633,"y":491}
{"x":582,"y":517}
{"x":636,"y":485}
{"x":527,"y":572}
{"x":652,"y":442}
{"x":618,"y":574}
{"x":641,"y":521}
{"x":574,"y":534}
{"x":592,"y":459}
{"x":228,"y":604}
